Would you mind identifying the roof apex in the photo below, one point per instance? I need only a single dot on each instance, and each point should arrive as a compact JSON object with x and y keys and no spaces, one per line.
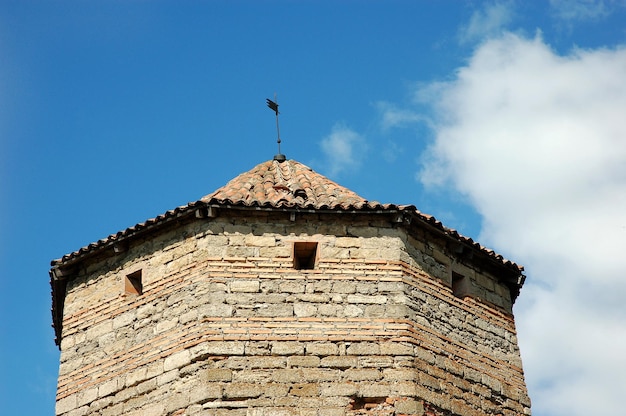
{"x":285,"y":183}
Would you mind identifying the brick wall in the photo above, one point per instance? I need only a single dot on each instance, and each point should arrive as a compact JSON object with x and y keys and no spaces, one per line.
{"x":225,"y":324}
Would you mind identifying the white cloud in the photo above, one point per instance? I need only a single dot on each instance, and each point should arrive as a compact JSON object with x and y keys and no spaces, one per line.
{"x":573,"y":10}
{"x":344,"y":149}
{"x":537,"y":141}
{"x":393,"y":116}
{"x":487,"y":22}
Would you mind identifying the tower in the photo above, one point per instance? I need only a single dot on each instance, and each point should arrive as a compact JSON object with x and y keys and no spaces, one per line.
{"x":284,"y":293}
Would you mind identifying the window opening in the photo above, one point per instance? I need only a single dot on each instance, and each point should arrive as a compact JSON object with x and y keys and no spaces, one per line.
{"x":459,"y":285}
{"x":304,"y":254}
{"x":132,"y":283}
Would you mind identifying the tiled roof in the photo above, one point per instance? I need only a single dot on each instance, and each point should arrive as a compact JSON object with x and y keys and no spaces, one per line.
{"x":270,"y":185}
{"x":285,"y":184}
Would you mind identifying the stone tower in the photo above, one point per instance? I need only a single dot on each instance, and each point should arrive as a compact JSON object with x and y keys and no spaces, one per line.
{"x":284,"y":293}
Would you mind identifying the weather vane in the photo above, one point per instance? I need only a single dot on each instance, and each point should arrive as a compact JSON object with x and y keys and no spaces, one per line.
{"x":274,"y":106}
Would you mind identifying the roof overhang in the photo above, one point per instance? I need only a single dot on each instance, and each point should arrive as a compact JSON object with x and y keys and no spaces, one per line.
{"x":65,"y":269}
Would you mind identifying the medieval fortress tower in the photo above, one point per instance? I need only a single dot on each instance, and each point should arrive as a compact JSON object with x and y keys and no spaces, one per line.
{"x":284,"y":293}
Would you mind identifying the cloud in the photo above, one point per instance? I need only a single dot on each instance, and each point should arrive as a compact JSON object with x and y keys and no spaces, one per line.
{"x":579,"y":10}
{"x":487,"y":22}
{"x":393,"y":116}
{"x":537,"y":143}
{"x":344,"y":149}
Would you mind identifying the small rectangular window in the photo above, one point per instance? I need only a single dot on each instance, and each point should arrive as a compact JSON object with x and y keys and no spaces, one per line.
{"x":304,"y":254}
{"x":132,"y":283}
{"x":460,"y":285}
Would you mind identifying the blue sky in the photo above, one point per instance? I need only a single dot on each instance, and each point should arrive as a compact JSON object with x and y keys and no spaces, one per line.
{"x":502,"y":119}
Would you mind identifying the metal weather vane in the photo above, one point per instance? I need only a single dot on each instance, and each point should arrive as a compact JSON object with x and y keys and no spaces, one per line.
{"x":274,"y":106}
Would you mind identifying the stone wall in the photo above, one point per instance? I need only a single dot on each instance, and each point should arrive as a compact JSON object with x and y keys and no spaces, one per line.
{"x":226,"y":325}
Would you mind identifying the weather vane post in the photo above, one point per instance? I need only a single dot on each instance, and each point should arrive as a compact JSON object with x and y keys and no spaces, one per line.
{"x":274,"y":106}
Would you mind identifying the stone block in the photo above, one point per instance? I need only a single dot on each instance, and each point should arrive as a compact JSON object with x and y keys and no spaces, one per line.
{"x":344,"y":287}
{"x":204,"y":391}
{"x":287,"y":375}
{"x":322,"y":348}
{"x":392,"y":287}
{"x":242,"y":390}
{"x":260,"y":240}
{"x":81,"y":411}
{"x":275,"y":390}
{"x":216,"y":310}
{"x":66,"y":404}
{"x":352,"y":311}
{"x":87,"y":396}
{"x":307,"y":389}
{"x":339,"y":389}
{"x":303,"y":361}
{"x":177,"y":360}
{"x":314,"y":297}
{"x":362,"y":374}
{"x":404,"y":388}
{"x":332,"y":411}
{"x":268,"y":362}
{"x":375,"y":361}
{"x":98,"y":330}
{"x":274,"y":310}
{"x":244,"y":286}
{"x":356,"y":298}
{"x":135,"y":376}
{"x":224,"y":348}
{"x":400,"y":374}
{"x":218,"y":374}
{"x":374,"y":390}
{"x":409,"y":407}
{"x":429,"y":381}
{"x":258,"y":348}
{"x":341,"y":361}
{"x":292,"y":287}
{"x":252,"y":376}
{"x":363,"y":348}
{"x":99,"y":404}
{"x":396,"y":348}
{"x":304,"y":309}
{"x":347,"y":242}
{"x":287,"y":348}
{"x":176,"y":401}
{"x":108,"y":387}
{"x":124,"y":319}
{"x":321,"y":374}
{"x":163,"y":326}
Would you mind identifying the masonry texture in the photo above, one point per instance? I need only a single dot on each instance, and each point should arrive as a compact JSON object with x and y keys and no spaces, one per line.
{"x":396,"y":315}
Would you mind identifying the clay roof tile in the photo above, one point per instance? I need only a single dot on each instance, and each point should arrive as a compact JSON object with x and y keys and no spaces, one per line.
{"x":287,"y":183}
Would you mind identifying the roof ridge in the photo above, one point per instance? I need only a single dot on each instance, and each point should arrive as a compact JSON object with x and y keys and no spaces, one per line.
{"x":288,"y":183}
